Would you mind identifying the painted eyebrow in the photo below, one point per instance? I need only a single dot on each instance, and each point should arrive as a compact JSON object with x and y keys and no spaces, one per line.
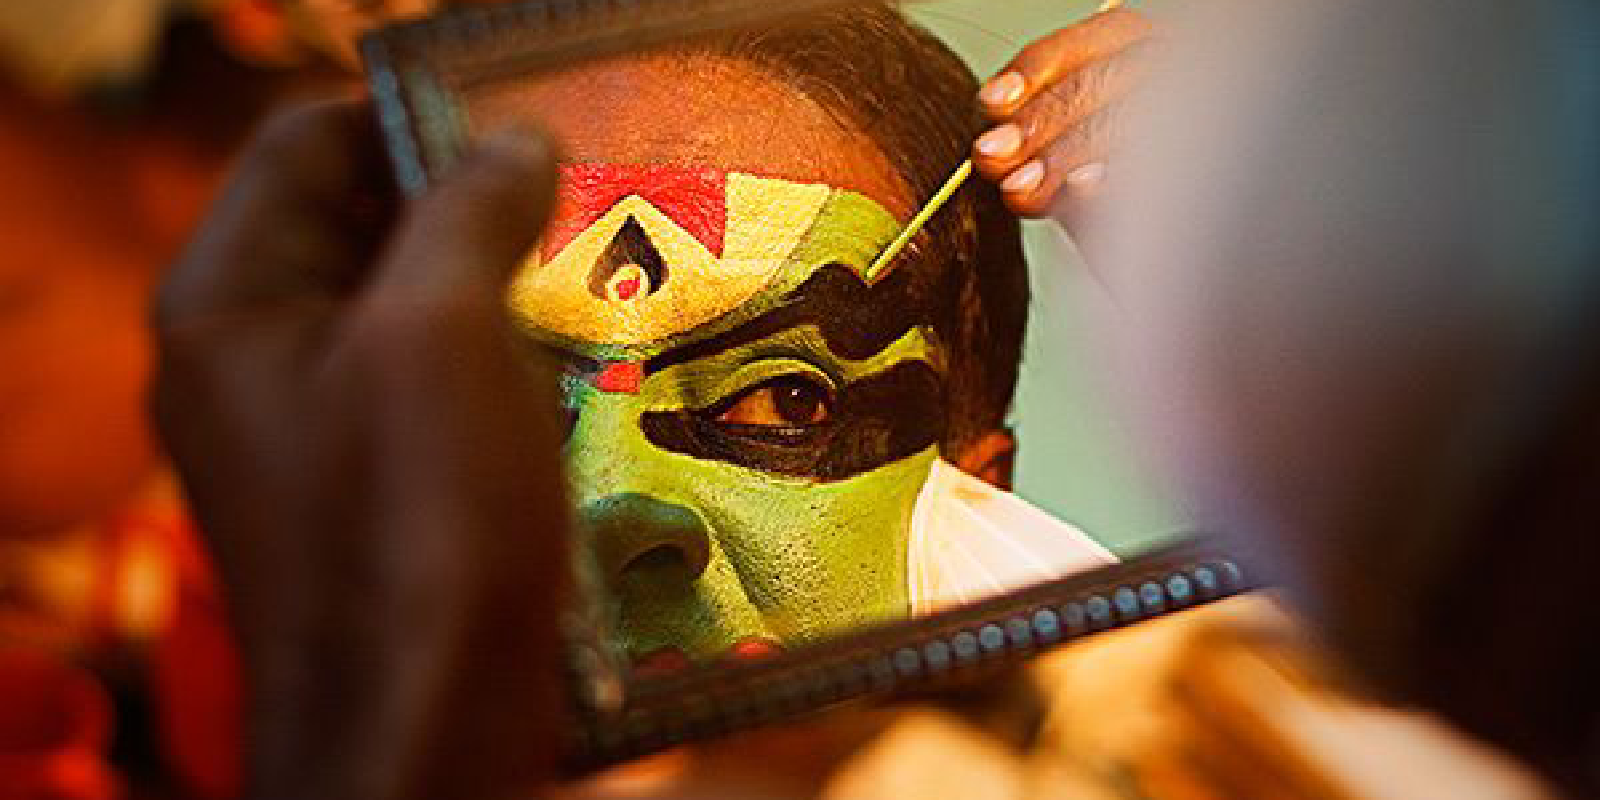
{"x":855,"y":320}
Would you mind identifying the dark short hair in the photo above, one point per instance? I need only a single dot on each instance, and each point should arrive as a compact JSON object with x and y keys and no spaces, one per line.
{"x":916,"y":99}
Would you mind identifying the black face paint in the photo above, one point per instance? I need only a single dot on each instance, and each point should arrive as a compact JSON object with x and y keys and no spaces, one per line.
{"x":875,"y":420}
{"x":855,"y":320}
{"x":630,"y":245}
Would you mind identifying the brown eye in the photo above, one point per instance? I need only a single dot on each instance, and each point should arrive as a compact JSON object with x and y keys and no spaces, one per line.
{"x":792,"y":401}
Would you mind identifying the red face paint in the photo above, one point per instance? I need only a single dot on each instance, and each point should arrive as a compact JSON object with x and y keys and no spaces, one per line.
{"x":695,"y":198}
{"x":620,"y":377}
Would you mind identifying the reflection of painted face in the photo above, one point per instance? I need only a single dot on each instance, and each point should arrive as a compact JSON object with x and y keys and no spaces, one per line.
{"x":752,"y":421}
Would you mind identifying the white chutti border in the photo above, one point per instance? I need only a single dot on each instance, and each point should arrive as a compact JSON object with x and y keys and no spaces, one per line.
{"x":970,"y":540}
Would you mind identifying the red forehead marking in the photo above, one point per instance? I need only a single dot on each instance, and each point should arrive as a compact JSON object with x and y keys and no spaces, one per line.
{"x":695,"y":198}
{"x":620,"y":377}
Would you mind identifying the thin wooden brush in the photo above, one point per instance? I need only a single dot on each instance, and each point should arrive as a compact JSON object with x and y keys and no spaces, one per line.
{"x":939,"y":199}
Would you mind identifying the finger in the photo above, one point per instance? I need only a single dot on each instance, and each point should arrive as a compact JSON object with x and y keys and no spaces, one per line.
{"x":467,"y":446}
{"x":1047,"y":60}
{"x":1075,"y":162}
{"x":298,"y":218}
{"x":230,"y":314}
{"x":462,"y":241}
{"x":1052,"y":114}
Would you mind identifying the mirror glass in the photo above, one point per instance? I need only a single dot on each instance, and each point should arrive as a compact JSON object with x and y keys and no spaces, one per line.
{"x":771,"y":444}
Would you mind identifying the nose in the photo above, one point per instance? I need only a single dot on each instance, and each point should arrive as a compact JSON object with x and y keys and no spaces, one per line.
{"x":637,"y":533}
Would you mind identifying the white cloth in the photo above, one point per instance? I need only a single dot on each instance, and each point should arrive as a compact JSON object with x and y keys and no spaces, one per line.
{"x":970,"y":540}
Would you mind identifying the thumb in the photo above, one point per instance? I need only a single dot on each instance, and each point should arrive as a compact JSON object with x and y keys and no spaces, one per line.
{"x":464,"y":238}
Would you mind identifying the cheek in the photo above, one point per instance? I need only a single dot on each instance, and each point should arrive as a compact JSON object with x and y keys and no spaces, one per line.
{"x":818,"y":558}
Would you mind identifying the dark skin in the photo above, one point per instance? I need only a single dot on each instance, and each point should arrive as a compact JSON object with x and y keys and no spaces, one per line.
{"x":372,"y":464}
{"x":1053,"y":112}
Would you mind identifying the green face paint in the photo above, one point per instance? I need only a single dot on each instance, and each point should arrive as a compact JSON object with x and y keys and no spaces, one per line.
{"x":749,"y":442}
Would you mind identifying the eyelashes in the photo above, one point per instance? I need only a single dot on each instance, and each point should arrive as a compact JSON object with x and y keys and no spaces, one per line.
{"x":868,"y":423}
{"x":789,"y":401}
{"x":792,"y":409}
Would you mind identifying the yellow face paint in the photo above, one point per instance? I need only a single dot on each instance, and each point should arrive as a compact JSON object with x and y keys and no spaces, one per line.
{"x":673,"y":250}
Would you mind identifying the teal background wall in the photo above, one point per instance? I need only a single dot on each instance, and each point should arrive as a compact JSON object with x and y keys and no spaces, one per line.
{"x":1074,"y":459}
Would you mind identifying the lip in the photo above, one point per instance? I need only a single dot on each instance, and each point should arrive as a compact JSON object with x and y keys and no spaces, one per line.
{"x":661,"y":661}
{"x":669,"y":659}
{"x":752,"y":648}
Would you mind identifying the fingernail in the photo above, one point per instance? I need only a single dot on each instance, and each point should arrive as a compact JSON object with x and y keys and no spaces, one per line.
{"x":1002,"y":141}
{"x":1004,"y":90}
{"x":1025,"y":179}
{"x":1087,"y":176}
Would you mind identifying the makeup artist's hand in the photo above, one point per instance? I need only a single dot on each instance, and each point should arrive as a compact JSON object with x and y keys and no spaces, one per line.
{"x":373,"y":465}
{"x":1053,"y":109}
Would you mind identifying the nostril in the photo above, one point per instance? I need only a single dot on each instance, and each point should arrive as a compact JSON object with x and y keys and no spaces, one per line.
{"x":636,"y":532}
{"x":658,"y":559}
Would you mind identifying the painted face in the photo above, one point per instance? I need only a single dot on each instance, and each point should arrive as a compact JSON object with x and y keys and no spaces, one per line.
{"x":752,"y":416}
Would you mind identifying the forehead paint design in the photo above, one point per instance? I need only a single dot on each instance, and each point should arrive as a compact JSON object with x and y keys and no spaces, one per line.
{"x":693,"y":198}
{"x":640,"y":257}
{"x":639,"y":253}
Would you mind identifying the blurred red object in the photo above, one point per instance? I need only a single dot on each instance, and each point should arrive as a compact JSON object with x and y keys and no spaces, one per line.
{"x":54,"y":732}
{"x":195,"y":679}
